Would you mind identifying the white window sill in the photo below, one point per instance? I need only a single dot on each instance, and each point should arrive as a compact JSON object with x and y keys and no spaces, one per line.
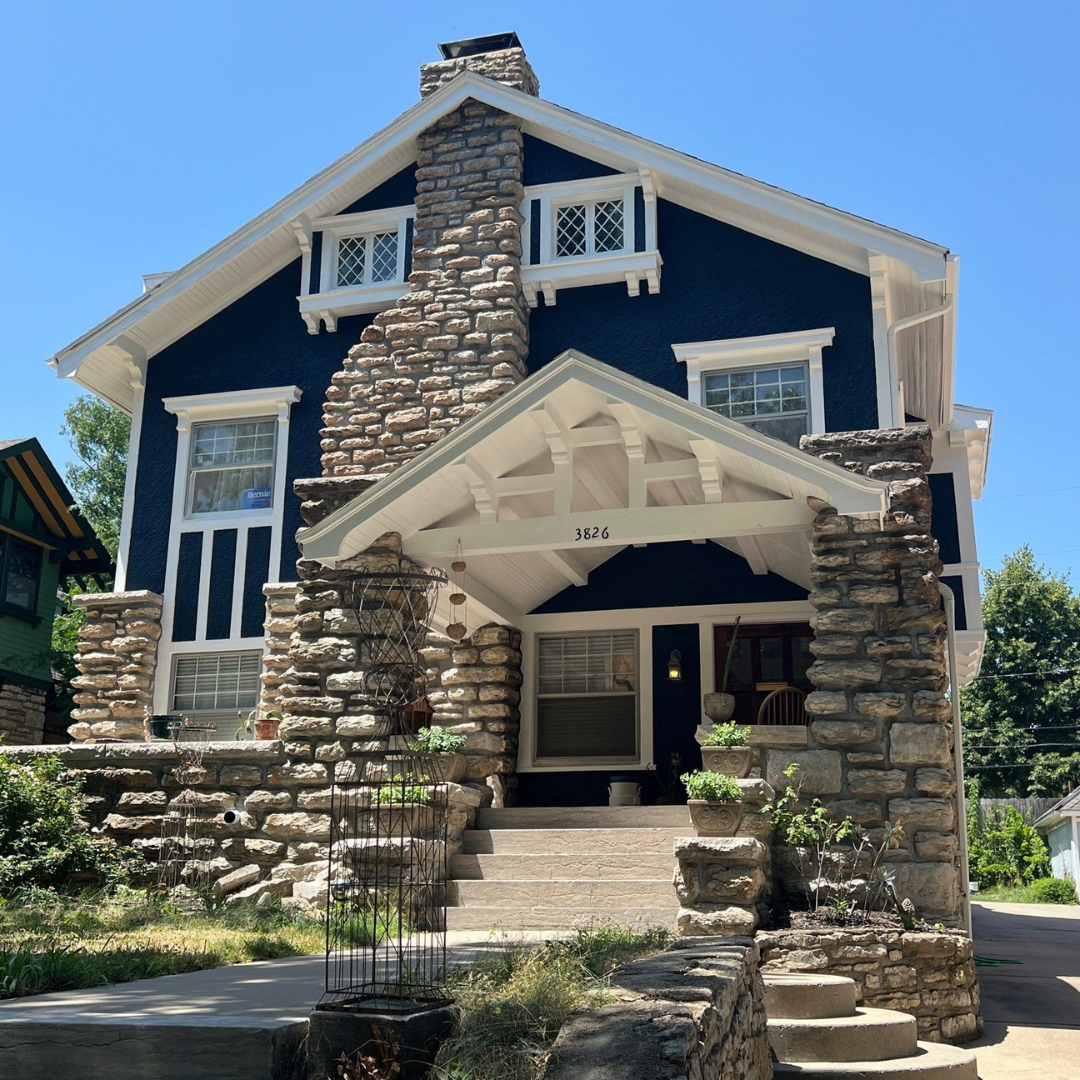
{"x":227,"y":516}
{"x":355,"y":300}
{"x":574,"y":271}
{"x":575,"y":765}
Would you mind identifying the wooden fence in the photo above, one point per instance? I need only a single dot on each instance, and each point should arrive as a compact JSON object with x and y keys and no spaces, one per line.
{"x":1030,"y":809}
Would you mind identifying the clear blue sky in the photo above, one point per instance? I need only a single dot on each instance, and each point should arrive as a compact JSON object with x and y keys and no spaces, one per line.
{"x":133,"y":136}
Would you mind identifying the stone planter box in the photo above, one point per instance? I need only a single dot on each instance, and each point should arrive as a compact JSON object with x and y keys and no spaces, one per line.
{"x":401,"y":819}
{"x":448,"y":767}
{"x":715,"y":818}
{"x":728,"y":760}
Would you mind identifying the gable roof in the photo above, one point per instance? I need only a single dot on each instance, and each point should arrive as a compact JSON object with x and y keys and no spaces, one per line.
{"x":67,"y":531}
{"x":760,"y":486}
{"x":101,"y":359}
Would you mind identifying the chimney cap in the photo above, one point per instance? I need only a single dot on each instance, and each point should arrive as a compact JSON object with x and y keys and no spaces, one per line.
{"x":452,"y":50}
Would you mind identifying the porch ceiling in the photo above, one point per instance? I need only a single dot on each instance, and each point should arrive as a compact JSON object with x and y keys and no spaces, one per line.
{"x":575,"y":464}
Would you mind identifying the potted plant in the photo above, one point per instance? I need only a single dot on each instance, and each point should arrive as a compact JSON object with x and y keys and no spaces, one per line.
{"x":720,"y":706}
{"x":261,"y":727}
{"x":447,"y":764}
{"x":402,"y":807}
{"x":725,"y":750}
{"x":715,"y":802}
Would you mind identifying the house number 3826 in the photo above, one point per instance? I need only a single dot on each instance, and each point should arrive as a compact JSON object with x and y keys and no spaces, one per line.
{"x":591,"y":533}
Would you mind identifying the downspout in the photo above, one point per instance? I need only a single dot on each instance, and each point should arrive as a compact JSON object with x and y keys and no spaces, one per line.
{"x":958,"y":753}
{"x":913,"y":320}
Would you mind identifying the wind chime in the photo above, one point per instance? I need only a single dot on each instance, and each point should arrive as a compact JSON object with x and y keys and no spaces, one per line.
{"x":459,"y":613}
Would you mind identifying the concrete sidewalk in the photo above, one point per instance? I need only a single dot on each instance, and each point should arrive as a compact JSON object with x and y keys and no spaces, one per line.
{"x":242,"y":1022}
{"x":1032,"y":1009}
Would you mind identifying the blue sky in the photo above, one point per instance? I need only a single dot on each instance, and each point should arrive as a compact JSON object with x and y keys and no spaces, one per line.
{"x":134,"y":136}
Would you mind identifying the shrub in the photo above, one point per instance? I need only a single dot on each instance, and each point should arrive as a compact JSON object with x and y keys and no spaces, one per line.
{"x":729,"y":734}
{"x":712,"y":787}
{"x":437,"y":740}
{"x":1005,"y":849}
{"x":44,"y":842}
{"x":1053,"y":891}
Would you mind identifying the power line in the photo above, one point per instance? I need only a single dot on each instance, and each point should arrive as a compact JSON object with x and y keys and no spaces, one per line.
{"x":1013,"y":746}
{"x":1021,"y":356}
{"x":1013,"y":765}
{"x":1020,"y":494}
{"x":1033,"y":430}
{"x":1027,"y":674}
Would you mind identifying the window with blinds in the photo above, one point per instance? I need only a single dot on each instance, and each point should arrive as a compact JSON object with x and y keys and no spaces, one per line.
{"x":216,"y":687}
{"x":587,"y":697}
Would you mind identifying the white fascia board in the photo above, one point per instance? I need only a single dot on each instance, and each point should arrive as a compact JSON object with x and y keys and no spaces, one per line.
{"x":973,"y":428}
{"x":602,"y":141}
{"x":852,"y":494}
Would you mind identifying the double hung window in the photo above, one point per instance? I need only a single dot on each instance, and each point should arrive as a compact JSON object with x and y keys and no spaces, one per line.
{"x":587,"y":697}
{"x":772,"y":400}
{"x":590,"y":228}
{"x":20,"y":572}
{"x":232,"y":465}
{"x":221,"y":683}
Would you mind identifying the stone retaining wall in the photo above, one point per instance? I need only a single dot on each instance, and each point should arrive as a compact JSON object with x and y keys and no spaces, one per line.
{"x":22,"y":713}
{"x":696,"y":1012}
{"x":930,"y":976}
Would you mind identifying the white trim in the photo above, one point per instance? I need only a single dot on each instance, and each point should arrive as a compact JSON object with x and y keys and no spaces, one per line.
{"x":727,"y":354}
{"x":137,"y":376}
{"x":644,"y":621}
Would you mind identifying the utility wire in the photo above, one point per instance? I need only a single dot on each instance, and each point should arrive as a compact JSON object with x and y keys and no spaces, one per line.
{"x":1033,"y":430}
{"x":1027,"y":674}
{"x":1020,"y":494}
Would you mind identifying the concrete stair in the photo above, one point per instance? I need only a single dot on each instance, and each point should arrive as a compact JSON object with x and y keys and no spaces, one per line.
{"x":816,"y":1029}
{"x":554,"y":868}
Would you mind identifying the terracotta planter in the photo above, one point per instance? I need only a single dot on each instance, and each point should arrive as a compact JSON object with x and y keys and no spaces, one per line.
{"x":727,"y":760}
{"x":719,"y":707}
{"x":715,"y":818}
{"x":448,"y":767}
{"x":266,"y":729}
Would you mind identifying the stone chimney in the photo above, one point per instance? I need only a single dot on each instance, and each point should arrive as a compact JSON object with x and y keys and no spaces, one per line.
{"x":495,"y":56}
{"x":458,"y":340}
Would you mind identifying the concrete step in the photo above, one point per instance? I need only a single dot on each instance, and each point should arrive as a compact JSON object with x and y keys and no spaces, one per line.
{"x":869,"y":1035}
{"x":600,"y":896}
{"x":931,"y":1061}
{"x":525,"y":917}
{"x":554,"y":841}
{"x":789,"y":995}
{"x":584,"y":817}
{"x":602,"y":865}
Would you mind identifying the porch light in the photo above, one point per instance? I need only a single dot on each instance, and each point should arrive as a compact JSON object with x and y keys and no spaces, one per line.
{"x":674,"y":666}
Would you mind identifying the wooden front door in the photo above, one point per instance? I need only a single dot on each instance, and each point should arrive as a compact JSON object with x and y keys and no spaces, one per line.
{"x":766,"y":659}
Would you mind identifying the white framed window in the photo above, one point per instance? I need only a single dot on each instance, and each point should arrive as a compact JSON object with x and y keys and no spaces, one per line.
{"x":211,"y":688}
{"x":232,"y":465}
{"x":367,"y":259}
{"x":590,"y":228}
{"x":587,"y":698}
{"x":772,"y":400}
{"x":773,"y":383}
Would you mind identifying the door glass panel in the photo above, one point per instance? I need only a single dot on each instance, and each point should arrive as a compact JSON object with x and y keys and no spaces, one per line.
{"x":801,"y":657}
{"x":742,"y":670}
{"x":772,"y":659}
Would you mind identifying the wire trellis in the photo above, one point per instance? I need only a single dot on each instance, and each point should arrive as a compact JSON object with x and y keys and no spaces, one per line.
{"x":386,"y":893}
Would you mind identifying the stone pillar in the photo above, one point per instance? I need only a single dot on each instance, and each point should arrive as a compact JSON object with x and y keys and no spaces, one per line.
{"x":881,"y":742}
{"x":22,"y":713}
{"x":117,"y":657}
{"x":478,"y":695}
{"x":279,"y":622}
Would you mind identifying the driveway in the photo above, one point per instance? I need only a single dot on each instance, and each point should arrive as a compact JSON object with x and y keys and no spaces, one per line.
{"x":1031,"y":1009}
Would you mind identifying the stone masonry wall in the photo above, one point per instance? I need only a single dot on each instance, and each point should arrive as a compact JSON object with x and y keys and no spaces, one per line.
{"x":116,"y":661}
{"x":508,"y":66}
{"x":696,"y":1012}
{"x":278,"y":625}
{"x":880,"y":739}
{"x":22,"y":713}
{"x":929,"y":975}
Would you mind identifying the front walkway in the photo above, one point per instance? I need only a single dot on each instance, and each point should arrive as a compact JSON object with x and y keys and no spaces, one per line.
{"x":230,"y":1023}
{"x":1031,"y":1009}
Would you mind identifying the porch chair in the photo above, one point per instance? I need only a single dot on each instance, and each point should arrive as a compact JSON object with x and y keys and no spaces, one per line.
{"x":785,"y":707}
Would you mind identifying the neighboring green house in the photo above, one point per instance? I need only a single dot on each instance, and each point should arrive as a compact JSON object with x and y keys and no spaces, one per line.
{"x":44,"y":541}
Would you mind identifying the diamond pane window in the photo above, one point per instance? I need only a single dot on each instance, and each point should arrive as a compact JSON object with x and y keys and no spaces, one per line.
{"x":232,"y":465}
{"x":384,"y":256}
{"x":770,"y":400}
{"x":216,"y":682}
{"x":570,"y":231}
{"x":350,"y":263}
{"x":608,"y":225}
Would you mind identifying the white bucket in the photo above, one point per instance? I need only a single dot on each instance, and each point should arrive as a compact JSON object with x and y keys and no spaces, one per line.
{"x":624,"y":793}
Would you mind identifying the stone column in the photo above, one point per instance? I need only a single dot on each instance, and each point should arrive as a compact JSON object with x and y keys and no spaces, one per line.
{"x":116,"y":660}
{"x":279,"y":622}
{"x":22,"y":713}
{"x":881,"y":742}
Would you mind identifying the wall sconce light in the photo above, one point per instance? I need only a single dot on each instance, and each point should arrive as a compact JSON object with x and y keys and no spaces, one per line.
{"x":674,"y":666}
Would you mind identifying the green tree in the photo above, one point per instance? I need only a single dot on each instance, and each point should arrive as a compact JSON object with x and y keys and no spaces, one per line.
{"x":1020,"y":716}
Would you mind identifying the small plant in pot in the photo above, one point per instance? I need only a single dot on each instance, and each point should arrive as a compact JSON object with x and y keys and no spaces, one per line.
{"x":715,"y":801}
{"x":402,"y":807}
{"x":448,"y":764}
{"x":720,"y":707}
{"x":259,"y":727}
{"x":725,"y":750}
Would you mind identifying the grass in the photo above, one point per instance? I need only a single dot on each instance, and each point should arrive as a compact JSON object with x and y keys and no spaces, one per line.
{"x":1015,"y":894}
{"x":49,"y":942}
{"x":512,"y":1005}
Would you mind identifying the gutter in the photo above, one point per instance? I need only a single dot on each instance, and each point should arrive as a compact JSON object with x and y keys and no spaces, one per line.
{"x":958,"y":753}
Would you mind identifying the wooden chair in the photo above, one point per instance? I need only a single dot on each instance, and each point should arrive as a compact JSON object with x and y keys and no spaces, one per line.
{"x":785,"y":707}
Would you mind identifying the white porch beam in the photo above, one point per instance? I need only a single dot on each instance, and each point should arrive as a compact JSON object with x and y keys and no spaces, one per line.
{"x":562,"y":454}
{"x":612,"y":528}
{"x":751,"y":551}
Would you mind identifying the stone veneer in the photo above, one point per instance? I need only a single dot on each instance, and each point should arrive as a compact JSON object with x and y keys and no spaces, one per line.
{"x":880,"y":741}
{"x":696,"y":1012}
{"x":22,"y":713}
{"x":278,"y":625}
{"x":116,"y":658}
{"x":929,"y":975}
{"x":509,"y":66}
